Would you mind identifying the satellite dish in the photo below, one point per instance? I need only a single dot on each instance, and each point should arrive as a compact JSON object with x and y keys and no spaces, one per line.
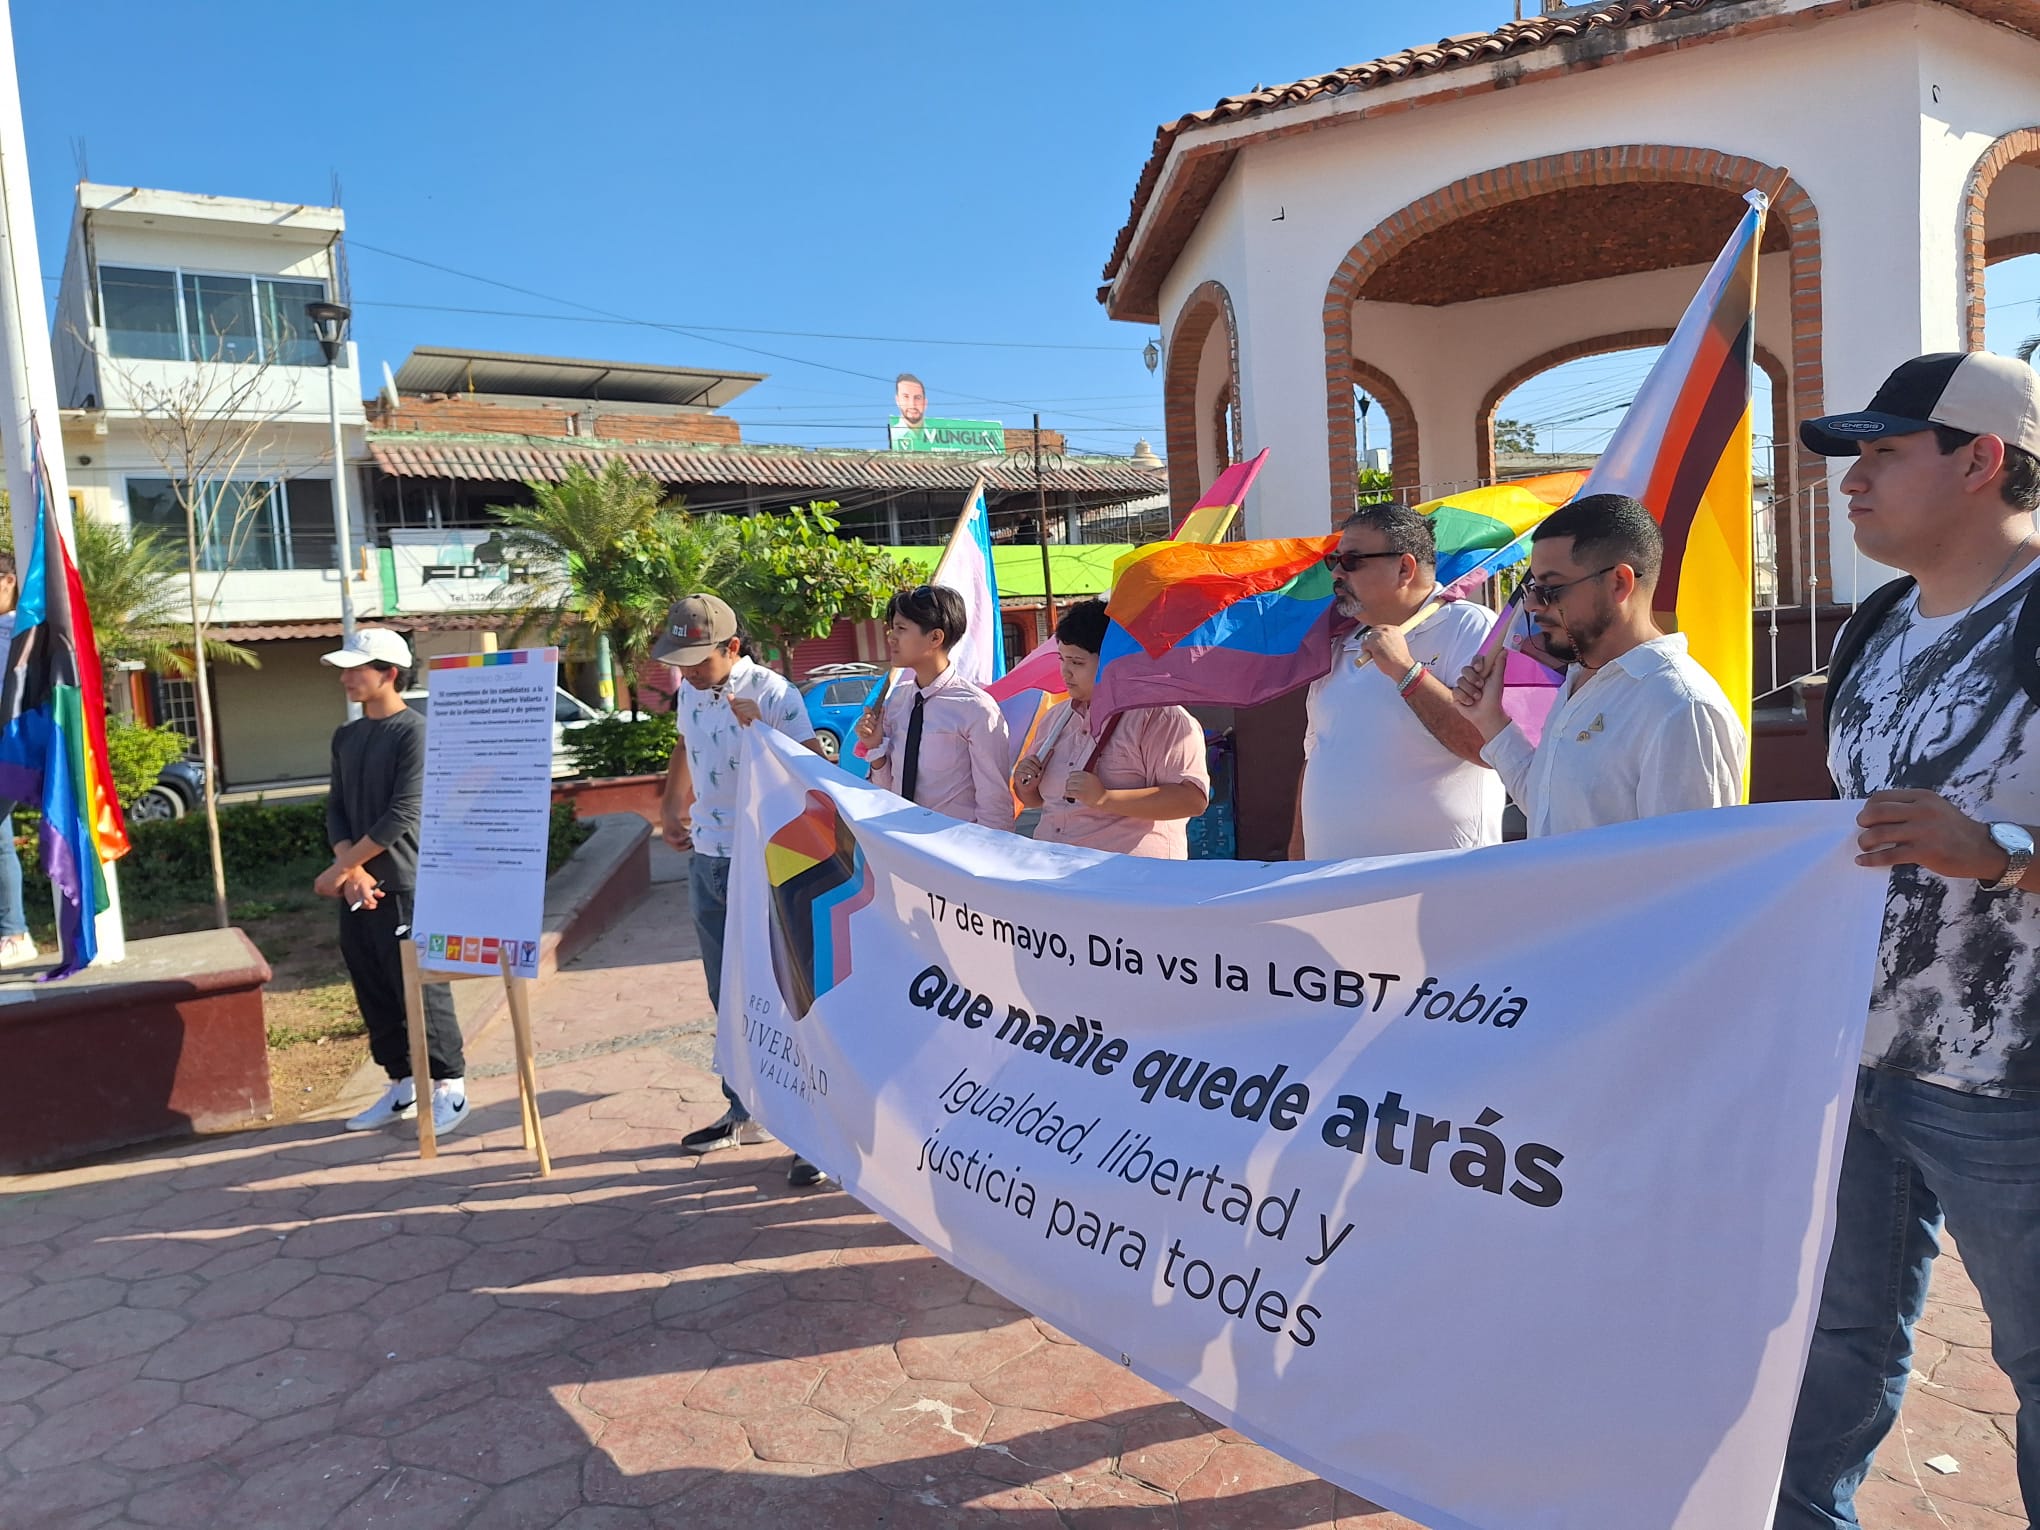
{"x":389,"y":388}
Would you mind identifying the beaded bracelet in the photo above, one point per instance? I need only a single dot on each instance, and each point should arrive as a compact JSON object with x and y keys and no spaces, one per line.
{"x":1411,"y":680}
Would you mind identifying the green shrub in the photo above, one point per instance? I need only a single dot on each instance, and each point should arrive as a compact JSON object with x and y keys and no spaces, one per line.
{"x":623,"y":746}
{"x":565,"y":834}
{"x":138,"y":755}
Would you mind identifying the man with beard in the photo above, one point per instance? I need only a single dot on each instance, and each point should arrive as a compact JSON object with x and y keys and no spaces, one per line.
{"x":1640,"y":729}
{"x":1391,"y":766}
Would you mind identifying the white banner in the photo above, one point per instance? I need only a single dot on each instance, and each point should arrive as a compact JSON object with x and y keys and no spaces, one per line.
{"x":1493,"y":1185}
{"x":487,"y":810}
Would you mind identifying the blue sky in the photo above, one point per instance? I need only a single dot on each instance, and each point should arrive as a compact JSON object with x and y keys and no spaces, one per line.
{"x":926,"y":174}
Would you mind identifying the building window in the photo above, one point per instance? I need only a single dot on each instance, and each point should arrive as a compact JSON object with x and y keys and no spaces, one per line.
{"x":177,"y":707}
{"x":194,"y":316}
{"x":253,"y":523}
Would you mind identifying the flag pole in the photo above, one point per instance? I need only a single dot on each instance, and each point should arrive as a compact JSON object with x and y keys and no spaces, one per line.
{"x":28,"y":380}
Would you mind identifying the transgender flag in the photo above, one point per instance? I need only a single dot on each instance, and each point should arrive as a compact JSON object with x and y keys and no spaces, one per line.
{"x":53,"y":737}
{"x":966,"y":567}
{"x":1684,"y":450}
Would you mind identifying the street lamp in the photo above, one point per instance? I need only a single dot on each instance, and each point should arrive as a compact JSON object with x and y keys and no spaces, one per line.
{"x":1152,"y":355}
{"x":329,"y":323}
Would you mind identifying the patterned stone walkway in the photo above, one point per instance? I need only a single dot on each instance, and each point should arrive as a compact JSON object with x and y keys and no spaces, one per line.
{"x":302,"y":1328}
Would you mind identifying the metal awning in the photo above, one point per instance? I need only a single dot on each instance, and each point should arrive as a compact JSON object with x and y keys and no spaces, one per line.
{"x":444,"y":369}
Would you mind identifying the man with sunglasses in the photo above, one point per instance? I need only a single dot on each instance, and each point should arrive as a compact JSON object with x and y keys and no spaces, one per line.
{"x":1641,"y":729}
{"x":1391,"y":767}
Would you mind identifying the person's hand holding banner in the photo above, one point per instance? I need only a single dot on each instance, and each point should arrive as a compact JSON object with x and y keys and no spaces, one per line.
{"x":745,"y":710}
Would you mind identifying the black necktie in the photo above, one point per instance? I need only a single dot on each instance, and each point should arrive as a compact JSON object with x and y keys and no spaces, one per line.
{"x":910,"y":772}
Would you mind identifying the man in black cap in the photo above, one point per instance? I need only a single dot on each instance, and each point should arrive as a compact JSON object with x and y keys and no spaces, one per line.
{"x":723,"y":692}
{"x":1934,"y":717}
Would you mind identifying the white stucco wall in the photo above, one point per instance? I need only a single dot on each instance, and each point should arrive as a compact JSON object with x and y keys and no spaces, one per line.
{"x":1846,"y":103}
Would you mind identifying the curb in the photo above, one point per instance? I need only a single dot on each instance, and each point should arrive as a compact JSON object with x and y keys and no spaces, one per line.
{"x":610,"y":872}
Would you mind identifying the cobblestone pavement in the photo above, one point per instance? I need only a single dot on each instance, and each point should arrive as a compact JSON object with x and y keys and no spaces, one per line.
{"x":301,"y":1327}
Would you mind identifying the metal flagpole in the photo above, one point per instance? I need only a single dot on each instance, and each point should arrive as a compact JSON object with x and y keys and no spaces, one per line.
{"x":28,"y":379}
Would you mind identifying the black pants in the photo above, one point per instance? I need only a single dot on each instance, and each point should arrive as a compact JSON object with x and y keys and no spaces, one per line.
{"x":369,"y":945}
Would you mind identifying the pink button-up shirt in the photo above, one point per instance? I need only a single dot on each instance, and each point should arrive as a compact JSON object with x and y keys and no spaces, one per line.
{"x":1152,"y":746}
{"x":962,"y":770}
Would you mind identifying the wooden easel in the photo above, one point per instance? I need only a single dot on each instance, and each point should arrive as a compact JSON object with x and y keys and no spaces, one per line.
{"x":515,"y":989}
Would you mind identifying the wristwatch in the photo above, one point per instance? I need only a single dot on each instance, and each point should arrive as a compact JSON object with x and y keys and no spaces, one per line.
{"x":2016,"y":843}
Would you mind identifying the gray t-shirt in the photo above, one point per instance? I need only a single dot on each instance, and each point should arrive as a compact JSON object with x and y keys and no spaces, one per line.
{"x":378,"y":785}
{"x":1957,"y":1001}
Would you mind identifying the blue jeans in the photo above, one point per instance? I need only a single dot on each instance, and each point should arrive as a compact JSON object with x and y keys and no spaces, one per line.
{"x":1916,"y":1151}
{"x":13,"y":920}
{"x":708,"y":889}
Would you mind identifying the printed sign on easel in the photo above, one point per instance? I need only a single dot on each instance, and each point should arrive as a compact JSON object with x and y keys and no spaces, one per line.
{"x":488,"y":798}
{"x":482,"y":834}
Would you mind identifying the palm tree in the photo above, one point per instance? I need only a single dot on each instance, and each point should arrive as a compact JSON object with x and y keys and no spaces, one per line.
{"x":132,"y":589}
{"x":611,"y":550}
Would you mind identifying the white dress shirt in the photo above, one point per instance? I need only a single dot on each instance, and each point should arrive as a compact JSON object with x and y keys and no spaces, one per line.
{"x":1646,"y":734}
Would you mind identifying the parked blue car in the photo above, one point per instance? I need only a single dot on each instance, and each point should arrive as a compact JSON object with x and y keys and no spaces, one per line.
{"x":836,"y":695}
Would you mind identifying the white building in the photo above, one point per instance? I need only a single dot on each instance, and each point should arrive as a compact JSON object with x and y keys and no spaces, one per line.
{"x":1438,"y":226}
{"x":174,"y":304}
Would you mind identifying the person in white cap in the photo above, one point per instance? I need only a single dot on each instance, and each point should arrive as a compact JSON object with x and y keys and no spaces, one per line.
{"x":372,"y":820}
{"x":723,"y":691}
{"x":1934,"y":720}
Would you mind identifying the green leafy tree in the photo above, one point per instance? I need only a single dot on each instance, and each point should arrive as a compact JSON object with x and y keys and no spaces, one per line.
{"x":796,"y":578}
{"x":1376,"y":486}
{"x":611,"y":550}
{"x":1515,"y":436}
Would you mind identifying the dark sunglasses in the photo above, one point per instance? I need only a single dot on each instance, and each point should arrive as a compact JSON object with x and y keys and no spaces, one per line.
{"x":1346,"y":562}
{"x":1540,"y":593}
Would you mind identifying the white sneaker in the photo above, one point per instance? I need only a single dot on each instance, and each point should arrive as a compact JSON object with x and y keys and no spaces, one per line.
{"x":17,"y":951}
{"x":399,"y":1102}
{"x":449,"y":1110}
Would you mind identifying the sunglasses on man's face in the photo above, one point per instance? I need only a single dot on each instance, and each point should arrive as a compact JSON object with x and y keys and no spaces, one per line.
{"x":1346,"y":562}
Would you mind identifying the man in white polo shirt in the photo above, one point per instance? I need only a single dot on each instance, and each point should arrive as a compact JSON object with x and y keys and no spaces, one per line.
{"x":1391,"y":766}
{"x":723,"y":692}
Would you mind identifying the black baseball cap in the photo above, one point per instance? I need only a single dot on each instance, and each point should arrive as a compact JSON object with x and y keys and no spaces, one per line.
{"x":1973,"y":391}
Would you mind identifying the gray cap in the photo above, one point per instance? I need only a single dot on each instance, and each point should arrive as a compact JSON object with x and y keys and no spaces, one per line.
{"x":696,"y":625}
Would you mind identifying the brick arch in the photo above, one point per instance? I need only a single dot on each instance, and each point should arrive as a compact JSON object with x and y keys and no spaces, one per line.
{"x":1209,"y":304}
{"x":2005,"y":246}
{"x":1403,"y":445}
{"x":1608,"y":165}
{"x":1636,"y":339}
{"x":1978,"y":249}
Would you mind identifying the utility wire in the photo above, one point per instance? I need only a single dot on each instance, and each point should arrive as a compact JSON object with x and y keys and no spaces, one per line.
{"x":691,"y":334}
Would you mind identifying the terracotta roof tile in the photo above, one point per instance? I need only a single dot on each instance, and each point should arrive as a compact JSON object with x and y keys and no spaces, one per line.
{"x":499,"y":459}
{"x":1516,"y":37}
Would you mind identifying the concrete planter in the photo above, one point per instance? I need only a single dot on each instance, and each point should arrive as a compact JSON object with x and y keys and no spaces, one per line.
{"x":169,"y":1042}
{"x":596,"y":795}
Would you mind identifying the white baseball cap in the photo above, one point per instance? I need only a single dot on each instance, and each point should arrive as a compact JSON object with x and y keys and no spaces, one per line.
{"x":371,"y":645}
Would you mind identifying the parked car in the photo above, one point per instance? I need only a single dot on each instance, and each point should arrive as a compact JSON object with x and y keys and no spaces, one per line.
{"x":569,"y":713}
{"x":178,"y":790}
{"x":836,"y":694}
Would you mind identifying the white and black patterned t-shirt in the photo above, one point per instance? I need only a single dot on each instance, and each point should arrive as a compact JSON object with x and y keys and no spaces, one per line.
{"x":1957,"y":1000}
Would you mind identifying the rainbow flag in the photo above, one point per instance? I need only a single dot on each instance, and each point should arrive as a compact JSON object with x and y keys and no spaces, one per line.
{"x":53,"y":737}
{"x":1480,"y":521}
{"x":1231,"y":624}
{"x":1684,"y":450}
{"x":1212,"y":516}
{"x":1034,"y":685}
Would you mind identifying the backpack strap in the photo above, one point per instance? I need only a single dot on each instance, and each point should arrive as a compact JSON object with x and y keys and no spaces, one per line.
{"x":2026,"y":644}
{"x":1868,"y":617}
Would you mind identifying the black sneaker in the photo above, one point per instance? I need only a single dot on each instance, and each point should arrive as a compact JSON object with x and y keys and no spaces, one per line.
{"x":803,"y":1174}
{"x":728,"y":1132}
